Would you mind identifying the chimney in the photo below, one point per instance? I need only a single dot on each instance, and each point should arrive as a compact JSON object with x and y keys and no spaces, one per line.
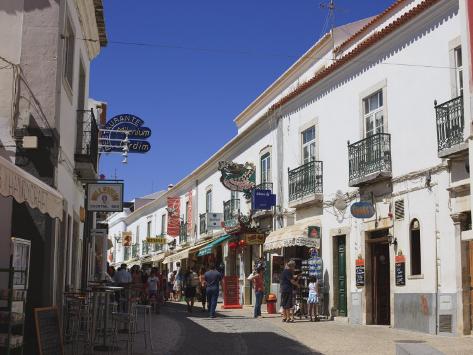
{"x":170,"y":186}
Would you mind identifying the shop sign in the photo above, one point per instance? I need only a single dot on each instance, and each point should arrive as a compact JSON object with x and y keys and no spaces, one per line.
{"x":126,"y":238}
{"x":313,"y":232}
{"x":105,"y":197}
{"x":231,"y":292}
{"x":231,"y":226}
{"x":255,"y":238}
{"x":360,"y":272}
{"x":214,"y":220}
{"x":238,"y":177}
{"x":114,"y":132}
{"x":174,"y":221}
{"x":400,"y":270}
{"x":156,"y":240}
{"x":362,"y":209}
{"x":262,"y":199}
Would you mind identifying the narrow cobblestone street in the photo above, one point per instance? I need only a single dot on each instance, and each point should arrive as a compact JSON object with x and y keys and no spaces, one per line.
{"x":236,"y":332}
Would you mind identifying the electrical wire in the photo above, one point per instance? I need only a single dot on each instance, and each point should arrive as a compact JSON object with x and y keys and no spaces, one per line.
{"x":249,"y":52}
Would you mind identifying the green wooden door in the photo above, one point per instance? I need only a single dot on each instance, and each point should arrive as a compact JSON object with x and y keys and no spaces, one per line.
{"x":342,"y":277}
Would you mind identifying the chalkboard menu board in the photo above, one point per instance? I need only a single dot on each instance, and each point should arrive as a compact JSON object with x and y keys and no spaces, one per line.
{"x":231,"y":292}
{"x":360,"y":272}
{"x":400,"y":270}
{"x":48,"y":331}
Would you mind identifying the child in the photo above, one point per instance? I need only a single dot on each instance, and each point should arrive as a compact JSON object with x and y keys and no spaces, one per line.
{"x":313,"y":299}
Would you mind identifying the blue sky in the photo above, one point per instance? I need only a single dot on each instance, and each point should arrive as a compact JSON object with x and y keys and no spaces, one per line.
{"x":189,"y":98}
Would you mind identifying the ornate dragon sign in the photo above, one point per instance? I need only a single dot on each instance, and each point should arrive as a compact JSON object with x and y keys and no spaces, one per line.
{"x":238,"y":177}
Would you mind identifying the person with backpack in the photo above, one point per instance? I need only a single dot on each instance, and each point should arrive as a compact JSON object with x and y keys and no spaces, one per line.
{"x":191,"y":281}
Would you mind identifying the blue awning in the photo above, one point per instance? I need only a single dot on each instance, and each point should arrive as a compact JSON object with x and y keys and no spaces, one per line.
{"x":208,"y":248}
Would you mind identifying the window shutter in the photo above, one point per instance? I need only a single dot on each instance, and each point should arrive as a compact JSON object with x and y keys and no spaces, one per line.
{"x":399,"y":209}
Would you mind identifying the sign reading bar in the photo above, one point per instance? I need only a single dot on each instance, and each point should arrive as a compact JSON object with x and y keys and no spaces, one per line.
{"x":262,"y":199}
{"x":255,"y":238}
{"x":362,"y":209}
{"x":48,"y":331}
{"x":156,"y":240}
{"x":105,"y":197}
{"x":231,"y":292}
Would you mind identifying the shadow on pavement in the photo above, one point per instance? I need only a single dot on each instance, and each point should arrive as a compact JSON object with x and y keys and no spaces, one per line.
{"x":203,"y":335}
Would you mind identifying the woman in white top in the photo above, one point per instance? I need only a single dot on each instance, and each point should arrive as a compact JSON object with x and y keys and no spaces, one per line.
{"x":313,"y":299}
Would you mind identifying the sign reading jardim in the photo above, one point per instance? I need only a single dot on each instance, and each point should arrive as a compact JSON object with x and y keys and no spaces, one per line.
{"x":114,"y":132}
{"x":105,"y":197}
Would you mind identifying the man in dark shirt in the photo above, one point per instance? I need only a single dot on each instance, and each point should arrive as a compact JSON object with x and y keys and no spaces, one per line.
{"x":212,"y":282}
{"x":287,"y":284}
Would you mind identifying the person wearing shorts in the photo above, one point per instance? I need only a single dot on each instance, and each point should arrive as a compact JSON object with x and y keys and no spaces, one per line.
{"x":287,"y":286}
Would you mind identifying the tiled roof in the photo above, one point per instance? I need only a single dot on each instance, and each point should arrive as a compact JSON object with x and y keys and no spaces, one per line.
{"x":376,"y":19}
{"x":99,"y":17}
{"x":360,"y":48}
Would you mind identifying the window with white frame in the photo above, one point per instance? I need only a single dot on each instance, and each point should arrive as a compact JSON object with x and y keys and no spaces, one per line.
{"x":458,"y":70}
{"x":234,"y":195}
{"x":69,"y":47}
{"x":163,"y":224}
{"x":208,"y":201}
{"x":308,"y":145}
{"x":266,"y":168}
{"x":373,"y":114}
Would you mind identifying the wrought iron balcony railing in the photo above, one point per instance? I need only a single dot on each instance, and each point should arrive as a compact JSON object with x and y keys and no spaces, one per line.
{"x":369,"y":158}
{"x":135,"y":251}
{"x":146,"y":248}
{"x":306,"y":180}
{"x":126,"y":253}
{"x":203,"y":223}
{"x":231,"y":210}
{"x":183,"y":233}
{"x":450,"y":124}
{"x":87,"y":138}
{"x":265,"y":186}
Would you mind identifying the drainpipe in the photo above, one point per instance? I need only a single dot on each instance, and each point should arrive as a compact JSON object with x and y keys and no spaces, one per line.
{"x":436,"y":263}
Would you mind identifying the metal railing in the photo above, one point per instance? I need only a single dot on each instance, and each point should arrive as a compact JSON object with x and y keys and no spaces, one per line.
{"x":87,"y":143}
{"x":145,"y":248}
{"x":265,"y":186}
{"x":369,"y":156}
{"x":305,"y":180}
{"x":231,"y":210}
{"x":127,"y":253}
{"x":183,"y":233}
{"x":135,"y":251}
{"x":450,"y":123}
{"x":203,"y":223}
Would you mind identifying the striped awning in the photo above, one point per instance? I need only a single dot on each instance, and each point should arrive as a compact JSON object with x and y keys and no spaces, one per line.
{"x":295,"y":235}
{"x":208,"y":248}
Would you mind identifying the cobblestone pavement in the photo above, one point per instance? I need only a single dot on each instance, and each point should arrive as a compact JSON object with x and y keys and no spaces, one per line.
{"x":236,"y":332}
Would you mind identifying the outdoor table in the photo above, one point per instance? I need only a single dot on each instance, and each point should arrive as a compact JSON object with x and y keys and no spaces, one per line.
{"x":99,"y":292}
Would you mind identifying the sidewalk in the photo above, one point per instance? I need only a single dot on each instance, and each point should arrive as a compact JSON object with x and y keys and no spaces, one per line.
{"x":334,"y":337}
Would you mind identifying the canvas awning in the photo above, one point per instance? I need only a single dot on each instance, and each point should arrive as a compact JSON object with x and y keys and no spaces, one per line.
{"x":158,"y":257}
{"x":208,"y":248}
{"x":295,"y":235}
{"x":181,"y":254}
{"x":24,"y":187}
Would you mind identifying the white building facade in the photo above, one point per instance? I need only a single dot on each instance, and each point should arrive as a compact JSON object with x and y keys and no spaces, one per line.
{"x":377,"y":111}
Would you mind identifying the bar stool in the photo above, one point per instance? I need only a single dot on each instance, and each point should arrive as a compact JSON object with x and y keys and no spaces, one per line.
{"x":145,"y":311}
{"x":129,"y":320}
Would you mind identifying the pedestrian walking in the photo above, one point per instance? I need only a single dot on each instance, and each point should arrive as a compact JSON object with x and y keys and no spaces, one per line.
{"x":313,"y":298}
{"x":178,"y":283}
{"x":203,"y":288}
{"x":153,"y":283}
{"x":213,"y":278}
{"x":191,"y":281}
{"x":170,"y":285}
{"x":288,"y":283}
{"x":257,"y":278}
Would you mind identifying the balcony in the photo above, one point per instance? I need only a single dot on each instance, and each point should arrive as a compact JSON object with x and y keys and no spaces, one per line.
{"x":306,"y":184}
{"x":86,"y":154}
{"x":265,"y":186}
{"x":203,"y":223}
{"x":183,"y":233}
{"x":450,"y":127}
{"x":231,"y":211}
{"x":135,"y":251}
{"x":127,"y":253}
{"x":369,"y":159}
{"x":146,"y":248}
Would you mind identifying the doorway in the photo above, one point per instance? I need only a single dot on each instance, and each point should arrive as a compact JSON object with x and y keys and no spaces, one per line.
{"x":340,"y":275}
{"x":380,"y":294}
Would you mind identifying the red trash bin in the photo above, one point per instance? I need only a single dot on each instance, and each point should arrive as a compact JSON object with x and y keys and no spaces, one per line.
{"x":271,"y":303}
